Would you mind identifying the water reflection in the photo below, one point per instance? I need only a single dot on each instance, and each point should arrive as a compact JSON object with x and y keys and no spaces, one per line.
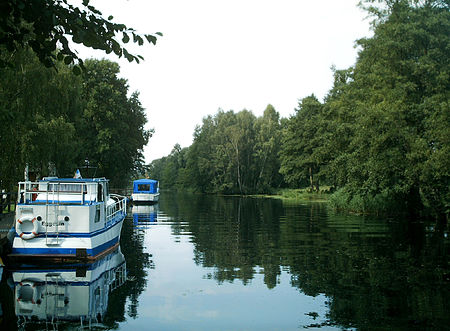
{"x":375,"y":273}
{"x":229,"y":263}
{"x":53,"y":295}
{"x":100,"y":295}
{"x":144,"y":215}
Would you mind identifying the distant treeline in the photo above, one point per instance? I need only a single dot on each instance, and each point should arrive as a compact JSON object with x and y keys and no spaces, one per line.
{"x":380,"y":137}
{"x":51,"y":119}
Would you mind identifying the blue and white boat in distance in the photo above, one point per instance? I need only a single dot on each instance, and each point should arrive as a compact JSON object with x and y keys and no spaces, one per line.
{"x":145,"y":191}
{"x":67,"y":219}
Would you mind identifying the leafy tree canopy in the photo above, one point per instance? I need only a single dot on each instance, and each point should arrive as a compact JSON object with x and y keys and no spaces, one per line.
{"x":44,"y":25}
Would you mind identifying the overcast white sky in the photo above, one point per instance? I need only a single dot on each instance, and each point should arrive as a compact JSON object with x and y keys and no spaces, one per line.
{"x":233,"y":55}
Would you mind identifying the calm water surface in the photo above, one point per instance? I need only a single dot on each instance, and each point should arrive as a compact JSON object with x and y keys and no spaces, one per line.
{"x":195,"y":262}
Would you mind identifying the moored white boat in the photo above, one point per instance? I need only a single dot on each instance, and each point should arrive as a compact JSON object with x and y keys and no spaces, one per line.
{"x":145,"y":191}
{"x":67,"y":218}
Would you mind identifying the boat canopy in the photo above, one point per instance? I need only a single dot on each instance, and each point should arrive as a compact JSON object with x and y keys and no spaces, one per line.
{"x":145,"y":186}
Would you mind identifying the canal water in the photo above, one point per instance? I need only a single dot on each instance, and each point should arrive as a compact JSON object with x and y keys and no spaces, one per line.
{"x":195,"y":262}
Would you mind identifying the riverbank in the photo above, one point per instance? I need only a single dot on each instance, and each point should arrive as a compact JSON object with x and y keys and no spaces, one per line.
{"x":300,"y":195}
{"x":6,"y":223}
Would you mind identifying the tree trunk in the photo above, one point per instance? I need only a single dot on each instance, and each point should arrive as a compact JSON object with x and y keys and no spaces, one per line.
{"x":414,"y":204}
{"x":238,"y":170}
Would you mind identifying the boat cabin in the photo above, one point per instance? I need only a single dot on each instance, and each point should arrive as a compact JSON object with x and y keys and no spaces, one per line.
{"x":64,"y":191}
{"x":145,"y":191}
{"x":145,"y":186}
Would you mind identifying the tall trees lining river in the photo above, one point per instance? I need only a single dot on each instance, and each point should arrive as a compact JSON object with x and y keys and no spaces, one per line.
{"x":380,"y":137}
{"x":53,"y":117}
{"x":56,"y":118}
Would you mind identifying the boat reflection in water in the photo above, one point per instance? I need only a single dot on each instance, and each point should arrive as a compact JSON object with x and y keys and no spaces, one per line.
{"x":144,"y":215}
{"x":73,"y":293}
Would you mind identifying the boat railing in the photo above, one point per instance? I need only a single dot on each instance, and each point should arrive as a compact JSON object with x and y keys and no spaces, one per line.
{"x":118,"y":207}
{"x":118,"y":276}
{"x":56,"y":192}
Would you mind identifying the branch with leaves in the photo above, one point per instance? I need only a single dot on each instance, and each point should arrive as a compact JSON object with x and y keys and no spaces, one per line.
{"x":45,"y":25}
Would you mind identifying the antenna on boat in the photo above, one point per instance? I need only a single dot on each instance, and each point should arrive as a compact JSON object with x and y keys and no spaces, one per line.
{"x":87,"y":166}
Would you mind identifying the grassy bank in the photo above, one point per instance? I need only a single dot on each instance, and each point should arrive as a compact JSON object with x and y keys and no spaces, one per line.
{"x":301,"y":195}
{"x":5,"y":209}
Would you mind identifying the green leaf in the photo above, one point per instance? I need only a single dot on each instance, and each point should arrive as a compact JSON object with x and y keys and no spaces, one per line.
{"x":85,"y":2}
{"x":125,"y":38}
{"x":127,"y":55}
{"x":159,"y":33}
{"x":68,"y":59}
{"x":76,"y":39}
{"x":110,"y":17}
{"x":76,"y":70}
{"x":116,"y":47}
{"x":151,"y":39}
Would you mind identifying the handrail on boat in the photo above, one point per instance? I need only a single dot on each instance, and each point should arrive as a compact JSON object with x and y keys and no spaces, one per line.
{"x":29,"y":190}
{"x":118,"y":207}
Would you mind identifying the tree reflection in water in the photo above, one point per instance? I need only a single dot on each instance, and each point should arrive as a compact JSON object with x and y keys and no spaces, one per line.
{"x":373,"y":273}
{"x":376,"y":273}
{"x":125,"y":300}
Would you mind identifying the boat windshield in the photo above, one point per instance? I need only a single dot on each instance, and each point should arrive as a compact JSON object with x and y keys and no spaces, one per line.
{"x":144,"y":187}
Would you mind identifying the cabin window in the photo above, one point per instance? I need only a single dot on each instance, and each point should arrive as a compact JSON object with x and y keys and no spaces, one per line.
{"x":99,"y":192}
{"x":144,"y":187}
{"x":97,"y":215}
{"x":65,"y":187}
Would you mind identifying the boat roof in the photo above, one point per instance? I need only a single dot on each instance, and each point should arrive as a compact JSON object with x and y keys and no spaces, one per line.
{"x":73,"y":180}
{"x":144,"y":181}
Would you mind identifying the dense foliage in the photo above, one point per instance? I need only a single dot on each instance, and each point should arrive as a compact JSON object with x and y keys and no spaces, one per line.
{"x":380,"y":137}
{"x":231,"y":153}
{"x":55,"y":120}
{"x":44,"y":25}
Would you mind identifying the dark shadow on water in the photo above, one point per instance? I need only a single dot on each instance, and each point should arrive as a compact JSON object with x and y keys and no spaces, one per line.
{"x":376,"y":273}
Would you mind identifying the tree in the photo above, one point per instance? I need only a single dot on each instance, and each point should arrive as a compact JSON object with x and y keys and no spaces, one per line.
{"x":113,"y":124}
{"x":172,"y":165}
{"x":388,"y":115}
{"x":338,"y":127}
{"x":231,"y":153}
{"x":301,"y":143}
{"x":44,"y":24}
{"x":402,"y":76}
{"x":38,"y":111}
{"x":240,"y":143}
{"x":199,"y":162}
{"x":267,"y":147}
